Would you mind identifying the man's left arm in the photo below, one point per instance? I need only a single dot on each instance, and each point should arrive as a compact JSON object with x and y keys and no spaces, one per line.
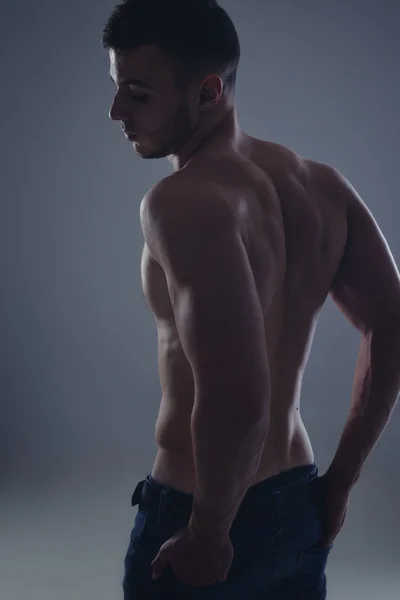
{"x":195,"y":238}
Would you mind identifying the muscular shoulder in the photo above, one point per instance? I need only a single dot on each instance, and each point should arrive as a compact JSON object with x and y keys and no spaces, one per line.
{"x":182,"y":199}
{"x":184,"y":213}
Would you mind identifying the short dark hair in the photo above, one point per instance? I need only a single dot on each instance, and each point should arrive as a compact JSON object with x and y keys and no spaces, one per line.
{"x":198,"y":34}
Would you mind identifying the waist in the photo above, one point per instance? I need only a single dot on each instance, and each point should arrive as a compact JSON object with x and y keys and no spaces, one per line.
{"x":284,"y":449}
{"x":291,"y":489}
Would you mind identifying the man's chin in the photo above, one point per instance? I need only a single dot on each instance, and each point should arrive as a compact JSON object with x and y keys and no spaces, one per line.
{"x":149,"y":153}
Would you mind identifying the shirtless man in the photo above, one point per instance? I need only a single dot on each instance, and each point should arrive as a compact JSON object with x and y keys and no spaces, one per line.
{"x":244,"y":241}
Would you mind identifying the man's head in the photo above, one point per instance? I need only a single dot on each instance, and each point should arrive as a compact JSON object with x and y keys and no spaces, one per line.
{"x":173,"y":61}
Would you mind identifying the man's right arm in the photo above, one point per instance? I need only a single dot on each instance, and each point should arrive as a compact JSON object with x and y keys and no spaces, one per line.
{"x":367,"y":290}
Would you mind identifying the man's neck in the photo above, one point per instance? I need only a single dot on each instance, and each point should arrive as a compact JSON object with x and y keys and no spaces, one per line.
{"x":221,"y":130}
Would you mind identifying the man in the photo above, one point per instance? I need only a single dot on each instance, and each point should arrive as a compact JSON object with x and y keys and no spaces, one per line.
{"x":244,"y":241}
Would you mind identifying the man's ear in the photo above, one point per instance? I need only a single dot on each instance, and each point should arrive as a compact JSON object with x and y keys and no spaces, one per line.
{"x":211,"y":91}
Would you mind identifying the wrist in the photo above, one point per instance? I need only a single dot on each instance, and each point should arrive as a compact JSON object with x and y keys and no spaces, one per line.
{"x":201,"y":528}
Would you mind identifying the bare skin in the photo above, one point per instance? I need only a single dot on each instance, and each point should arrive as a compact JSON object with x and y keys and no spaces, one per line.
{"x":309,"y":225}
{"x":304,"y":231}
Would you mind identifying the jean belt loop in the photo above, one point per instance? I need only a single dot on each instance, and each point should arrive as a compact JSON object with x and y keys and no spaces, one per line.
{"x":161,"y":506}
{"x":279,"y":507}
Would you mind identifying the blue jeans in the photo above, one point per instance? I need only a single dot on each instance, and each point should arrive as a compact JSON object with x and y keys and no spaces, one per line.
{"x":276,"y":538}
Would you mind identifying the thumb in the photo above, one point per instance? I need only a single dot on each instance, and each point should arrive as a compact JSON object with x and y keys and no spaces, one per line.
{"x":159,"y":563}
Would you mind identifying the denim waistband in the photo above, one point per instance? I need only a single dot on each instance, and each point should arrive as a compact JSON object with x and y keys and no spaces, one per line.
{"x":295,"y":476}
{"x":289,"y":487}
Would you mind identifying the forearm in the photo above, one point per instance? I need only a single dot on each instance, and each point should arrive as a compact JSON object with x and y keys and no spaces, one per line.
{"x":227,"y":446}
{"x":375,"y":393}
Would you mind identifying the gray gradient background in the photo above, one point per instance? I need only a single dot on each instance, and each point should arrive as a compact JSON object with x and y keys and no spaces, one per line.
{"x":79,"y":382}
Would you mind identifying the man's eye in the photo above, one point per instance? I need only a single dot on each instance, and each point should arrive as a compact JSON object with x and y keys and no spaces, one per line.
{"x":141,"y":99}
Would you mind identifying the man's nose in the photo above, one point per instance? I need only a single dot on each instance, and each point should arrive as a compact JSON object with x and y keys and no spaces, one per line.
{"x":113,"y":112}
{"x":116,"y":112}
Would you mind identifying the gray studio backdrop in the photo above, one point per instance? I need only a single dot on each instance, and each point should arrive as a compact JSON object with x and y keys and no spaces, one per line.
{"x":79,"y":382}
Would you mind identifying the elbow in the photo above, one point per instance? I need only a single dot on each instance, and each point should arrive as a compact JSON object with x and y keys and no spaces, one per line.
{"x":259,"y":412}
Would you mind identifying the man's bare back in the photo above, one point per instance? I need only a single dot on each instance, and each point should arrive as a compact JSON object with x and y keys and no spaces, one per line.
{"x":293,"y":202}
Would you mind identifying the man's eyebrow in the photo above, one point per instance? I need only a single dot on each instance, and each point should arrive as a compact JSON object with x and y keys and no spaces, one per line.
{"x":137,"y":82}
